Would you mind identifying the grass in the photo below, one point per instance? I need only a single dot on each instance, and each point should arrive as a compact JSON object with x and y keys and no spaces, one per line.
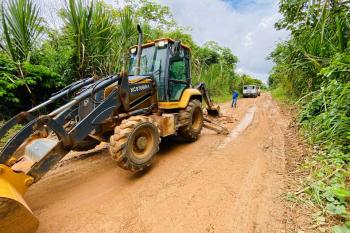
{"x":222,"y":98}
{"x":9,"y":135}
{"x":280,"y":95}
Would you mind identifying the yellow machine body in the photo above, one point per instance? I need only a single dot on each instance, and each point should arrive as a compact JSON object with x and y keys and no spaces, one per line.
{"x":15,"y":215}
{"x":184,"y":100}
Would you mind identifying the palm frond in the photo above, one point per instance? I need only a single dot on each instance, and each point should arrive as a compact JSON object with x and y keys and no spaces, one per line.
{"x":22,"y":28}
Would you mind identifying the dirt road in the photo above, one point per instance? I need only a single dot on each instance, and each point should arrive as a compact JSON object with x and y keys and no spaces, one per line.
{"x":228,"y":183}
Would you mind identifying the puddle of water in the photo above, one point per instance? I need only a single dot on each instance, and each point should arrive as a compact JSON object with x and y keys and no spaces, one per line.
{"x":245,"y":122}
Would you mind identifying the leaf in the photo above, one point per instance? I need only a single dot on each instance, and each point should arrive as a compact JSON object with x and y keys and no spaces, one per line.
{"x":336,"y":209}
{"x":22,"y":27}
{"x":341,"y":192}
{"x":341,"y":229}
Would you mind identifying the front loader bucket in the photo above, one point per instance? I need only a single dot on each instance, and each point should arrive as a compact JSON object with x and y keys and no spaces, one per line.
{"x":15,"y":215}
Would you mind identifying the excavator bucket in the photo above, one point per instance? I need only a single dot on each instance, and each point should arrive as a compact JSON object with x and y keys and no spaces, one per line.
{"x":211,"y":109}
{"x":214,"y":111}
{"x":15,"y":215}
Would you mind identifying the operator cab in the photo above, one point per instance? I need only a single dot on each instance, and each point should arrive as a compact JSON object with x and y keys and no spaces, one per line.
{"x":169,"y":62}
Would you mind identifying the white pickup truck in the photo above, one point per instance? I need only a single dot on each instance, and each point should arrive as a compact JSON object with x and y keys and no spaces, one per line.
{"x":251,"y":91}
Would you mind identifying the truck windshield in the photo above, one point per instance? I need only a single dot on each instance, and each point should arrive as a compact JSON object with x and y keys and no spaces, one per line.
{"x":152,"y":62}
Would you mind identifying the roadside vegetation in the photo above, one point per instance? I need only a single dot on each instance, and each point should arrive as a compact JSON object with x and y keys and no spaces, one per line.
{"x":37,"y":59}
{"x":312,"y":71}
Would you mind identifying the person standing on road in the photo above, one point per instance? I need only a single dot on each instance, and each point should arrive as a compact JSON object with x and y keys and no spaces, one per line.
{"x":234,"y":99}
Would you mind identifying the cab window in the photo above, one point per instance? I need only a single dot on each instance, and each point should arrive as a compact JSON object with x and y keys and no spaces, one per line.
{"x":178,"y":80}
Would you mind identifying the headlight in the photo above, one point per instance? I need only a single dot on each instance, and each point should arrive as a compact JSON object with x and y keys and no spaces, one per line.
{"x":133,"y":50}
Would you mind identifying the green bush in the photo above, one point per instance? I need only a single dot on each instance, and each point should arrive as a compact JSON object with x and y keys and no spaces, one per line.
{"x":325,"y":120}
{"x":23,"y":85}
{"x":326,"y":117}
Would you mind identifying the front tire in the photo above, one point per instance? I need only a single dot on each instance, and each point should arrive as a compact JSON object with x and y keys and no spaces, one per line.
{"x":135,"y":142}
{"x":192,"y":119}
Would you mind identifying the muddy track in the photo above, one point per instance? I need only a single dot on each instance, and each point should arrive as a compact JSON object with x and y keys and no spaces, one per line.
{"x":228,"y":183}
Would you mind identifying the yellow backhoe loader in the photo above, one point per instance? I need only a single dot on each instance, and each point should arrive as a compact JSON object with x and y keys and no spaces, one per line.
{"x":131,"y":110}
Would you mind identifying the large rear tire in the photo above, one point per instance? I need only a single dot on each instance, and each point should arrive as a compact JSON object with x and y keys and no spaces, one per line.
{"x":192,"y":119}
{"x":135,"y":142}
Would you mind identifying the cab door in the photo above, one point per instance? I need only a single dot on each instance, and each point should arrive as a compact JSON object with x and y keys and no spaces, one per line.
{"x":179,"y":76}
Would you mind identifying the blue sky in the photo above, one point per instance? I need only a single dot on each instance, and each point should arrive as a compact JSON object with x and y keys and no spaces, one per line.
{"x":245,"y":26}
{"x":240,"y":4}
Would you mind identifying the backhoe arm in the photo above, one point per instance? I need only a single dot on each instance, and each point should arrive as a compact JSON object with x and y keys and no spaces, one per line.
{"x":212,"y":110}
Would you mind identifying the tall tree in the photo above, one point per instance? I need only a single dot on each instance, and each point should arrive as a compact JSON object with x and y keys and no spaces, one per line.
{"x":77,"y":17}
{"x":91,"y":28}
{"x":127,"y":34}
{"x":21,"y":26}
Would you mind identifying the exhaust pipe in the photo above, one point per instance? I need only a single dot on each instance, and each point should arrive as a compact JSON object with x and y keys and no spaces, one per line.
{"x":139,"y":50}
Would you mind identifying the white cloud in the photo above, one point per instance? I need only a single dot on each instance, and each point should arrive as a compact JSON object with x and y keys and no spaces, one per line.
{"x":248,"y":40}
{"x":248,"y":29}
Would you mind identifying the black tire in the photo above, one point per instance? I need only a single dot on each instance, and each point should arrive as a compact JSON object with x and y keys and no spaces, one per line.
{"x":135,"y":142}
{"x":192,"y":119}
